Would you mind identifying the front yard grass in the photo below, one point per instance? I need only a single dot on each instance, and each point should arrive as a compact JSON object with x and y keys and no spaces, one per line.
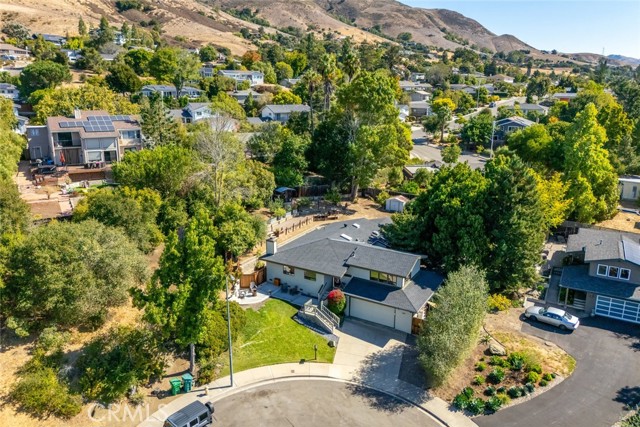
{"x":271,"y":336}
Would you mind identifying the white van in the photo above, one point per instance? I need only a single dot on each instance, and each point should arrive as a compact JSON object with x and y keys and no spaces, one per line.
{"x":196,"y":414}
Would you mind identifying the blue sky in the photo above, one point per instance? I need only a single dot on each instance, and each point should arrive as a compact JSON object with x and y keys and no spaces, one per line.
{"x":568,"y":26}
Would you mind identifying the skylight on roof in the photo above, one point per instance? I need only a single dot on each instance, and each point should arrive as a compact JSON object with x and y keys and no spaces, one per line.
{"x":347,"y":238}
{"x":356,"y":225}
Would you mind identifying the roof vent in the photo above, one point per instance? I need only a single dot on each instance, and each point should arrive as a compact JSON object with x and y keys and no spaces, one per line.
{"x":356,"y":225}
{"x":347,"y":238}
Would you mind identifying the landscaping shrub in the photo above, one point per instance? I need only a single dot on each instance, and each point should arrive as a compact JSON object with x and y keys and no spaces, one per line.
{"x":337,"y":301}
{"x":476,"y":406}
{"x":381,"y":198}
{"x":529,"y":387}
{"x":490,"y":391}
{"x":501,"y":390}
{"x":533,"y":377}
{"x":493,"y":404}
{"x":481,"y":366}
{"x":543,"y":383}
{"x":547,"y":377}
{"x":514,"y":392}
{"x":516,"y":361}
{"x":534,"y":368}
{"x":478,"y":380}
{"x":632,"y":421}
{"x":496,"y":376}
{"x":462,"y":399}
{"x":497,"y":302}
{"x":499,"y":361}
{"x":504,"y":399}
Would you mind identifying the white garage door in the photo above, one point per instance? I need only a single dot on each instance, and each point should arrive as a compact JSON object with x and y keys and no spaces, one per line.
{"x":622,"y":309}
{"x":372,"y":312}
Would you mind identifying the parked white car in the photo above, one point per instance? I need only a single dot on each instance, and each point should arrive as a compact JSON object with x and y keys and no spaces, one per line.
{"x":553,"y":316}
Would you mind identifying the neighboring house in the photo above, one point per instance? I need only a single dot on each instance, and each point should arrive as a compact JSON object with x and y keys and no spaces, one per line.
{"x":88,"y":137}
{"x":197,"y":111}
{"x":208,"y":69}
{"x":608,"y":281}
{"x":419,"y":108}
{"x":9,"y":91}
{"x":508,"y":125}
{"x":242,"y":95}
{"x":289,"y":82}
{"x":567,"y":96}
{"x":628,"y":186}
{"x":382,"y":286}
{"x":395,"y":204}
{"x":254,"y":77}
{"x":9,"y":50}
{"x":119,"y":38}
{"x":281,"y":113}
{"x":403,"y":112}
{"x":417,"y":77}
{"x":410,"y":171}
{"x":21,"y":127}
{"x":167,"y":91}
{"x":52,"y":38}
{"x":73,"y":55}
{"x":501,"y":78}
{"x":419,"y":95}
{"x":409,"y":86}
{"x":529,"y":108}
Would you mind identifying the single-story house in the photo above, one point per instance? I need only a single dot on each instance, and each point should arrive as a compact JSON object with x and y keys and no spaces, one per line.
{"x":566,"y":96}
{"x":528,"y":108}
{"x":242,"y":95}
{"x":607,"y":282}
{"x":254,"y":77}
{"x":52,"y":38}
{"x":382,"y":286}
{"x":628,"y":186}
{"x":281,"y":113}
{"x":409,"y":86}
{"x":289,"y":82}
{"x":12,"y":51}
{"x":410,"y":171}
{"x":395,"y":204}
{"x":501,"y":78}
{"x":194,"y":112}
{"x":508,"y":125}
{"x":170,"y":91}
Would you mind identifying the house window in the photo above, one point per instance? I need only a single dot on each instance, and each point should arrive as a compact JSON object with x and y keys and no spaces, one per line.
{"x":625,"y":273}
{"x":34,"y":132}
{"x":310,"y":275}
{"x":290,"y":271}
{"x":377,"y":276}
{"x":65,"y":139}
{"x":130,"y":134}
{"x":614,"y":271}
{"x":602,"y":270}
{"x":94,"y":156}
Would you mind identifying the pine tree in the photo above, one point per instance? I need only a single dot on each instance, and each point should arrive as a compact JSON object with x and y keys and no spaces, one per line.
{"x":82,"y":27}
{"x":158,"y":127}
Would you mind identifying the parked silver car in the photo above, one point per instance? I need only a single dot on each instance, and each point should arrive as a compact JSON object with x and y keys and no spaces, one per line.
{"x":553,"y":316}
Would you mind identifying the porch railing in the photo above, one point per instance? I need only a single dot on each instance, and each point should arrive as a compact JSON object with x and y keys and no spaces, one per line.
{"x":330,"y":314}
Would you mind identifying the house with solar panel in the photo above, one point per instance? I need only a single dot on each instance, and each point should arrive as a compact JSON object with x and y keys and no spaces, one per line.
{"x":169,"y":91}
{"x":90,"y":138}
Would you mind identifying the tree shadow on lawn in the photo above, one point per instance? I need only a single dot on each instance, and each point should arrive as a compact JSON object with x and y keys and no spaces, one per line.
{"x":379,"y":371}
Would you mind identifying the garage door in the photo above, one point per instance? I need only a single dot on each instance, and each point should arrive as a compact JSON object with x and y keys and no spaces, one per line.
{"x":372,"y":312}
{"x":622,"y":309}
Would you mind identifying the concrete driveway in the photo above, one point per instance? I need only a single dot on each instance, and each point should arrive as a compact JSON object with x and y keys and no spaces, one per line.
{"x":607,"y":377}
{"x":317,"y":403}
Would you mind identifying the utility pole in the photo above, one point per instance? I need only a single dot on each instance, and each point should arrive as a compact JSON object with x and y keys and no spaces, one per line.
{"x":226,"y":280}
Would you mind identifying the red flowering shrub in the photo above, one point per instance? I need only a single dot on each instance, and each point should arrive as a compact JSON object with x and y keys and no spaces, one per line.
{"x":337,"y":301}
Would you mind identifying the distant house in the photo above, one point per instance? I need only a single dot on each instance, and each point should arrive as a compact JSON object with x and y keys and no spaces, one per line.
{"x":608,"y":281}
{"x":208,"y":69}
{"x":409,"y":86}
{"x":242,"y":95}
{"x":289,"y":82}
{"x":508,"y":125}
{"x":628,"y":185}
{"x":281,"y":113}
{"x":419,"y":108}
{"x":254,"y":77}
{"x":382,"y":286}
{"x":8,"y":51}
{"x":395,"y":204}
{"x":501,"y":78}
{"x":419,"y":95}
{"x":529,"y":108}
{"x":52,"y":38}
{"x":119,"y":38}
{"x":410,"y":171}
{"x":170,"y":91}
{"x":198,"y":111}
{"x":72,"y":55}
{"x":90,"y":137}
{"x":566,"y":96}
{"x":9,"y":91}
{"x":417,"y":77}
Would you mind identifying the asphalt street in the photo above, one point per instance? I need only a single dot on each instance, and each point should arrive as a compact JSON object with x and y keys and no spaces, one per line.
{"x":317,"y":403}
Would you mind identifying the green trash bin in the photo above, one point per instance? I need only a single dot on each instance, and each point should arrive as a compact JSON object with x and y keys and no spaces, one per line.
{"x":176,"y":385}
{"x":187,"y":379}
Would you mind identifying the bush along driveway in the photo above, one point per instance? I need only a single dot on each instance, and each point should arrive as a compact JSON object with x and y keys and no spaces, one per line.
{"x":606,"y":379}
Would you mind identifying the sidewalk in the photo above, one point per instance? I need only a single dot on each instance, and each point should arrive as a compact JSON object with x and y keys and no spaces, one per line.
{"x":219,"y":389}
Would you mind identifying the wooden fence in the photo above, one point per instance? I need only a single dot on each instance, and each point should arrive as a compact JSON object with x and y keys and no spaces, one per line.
{"x":258,"y":276}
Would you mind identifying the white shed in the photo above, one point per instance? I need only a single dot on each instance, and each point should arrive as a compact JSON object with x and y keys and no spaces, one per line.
{"x":396,"y":203}
{"x":629,"y":187}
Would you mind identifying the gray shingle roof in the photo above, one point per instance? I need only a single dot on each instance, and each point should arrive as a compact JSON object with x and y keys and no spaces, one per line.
{"x":577,"y":277}
{"x":516,"y":120}
{"x":601,"y":245}
{"x":333,"y":257}
{"x":333,"y":230}
{"x":288,"y":108}
{"x":410,"y":298}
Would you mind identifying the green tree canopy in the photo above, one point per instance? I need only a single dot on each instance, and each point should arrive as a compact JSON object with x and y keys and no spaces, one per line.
{"x":122,"y":78}
{"x":70,"y":274}
{"x":285,"y":97}
{"x":42,"y":75}
{"x":138,"y":59}
{"x":451,"y":153}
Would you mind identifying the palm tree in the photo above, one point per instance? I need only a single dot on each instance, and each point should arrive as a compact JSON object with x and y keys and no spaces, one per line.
{"x":312,"y":81}
{"x":328,"y":69}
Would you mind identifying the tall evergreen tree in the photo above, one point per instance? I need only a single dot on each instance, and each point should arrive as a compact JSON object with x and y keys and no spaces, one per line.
{"x":158,"y":127}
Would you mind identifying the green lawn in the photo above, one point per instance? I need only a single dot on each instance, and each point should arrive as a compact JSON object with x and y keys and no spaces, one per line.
{"x":271,"y":336}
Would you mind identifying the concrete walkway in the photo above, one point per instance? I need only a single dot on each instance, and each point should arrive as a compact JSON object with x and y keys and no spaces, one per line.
{"x":367,"y":355}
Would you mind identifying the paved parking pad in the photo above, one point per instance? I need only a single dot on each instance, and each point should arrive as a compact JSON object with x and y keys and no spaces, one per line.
{"x":320,"y":403}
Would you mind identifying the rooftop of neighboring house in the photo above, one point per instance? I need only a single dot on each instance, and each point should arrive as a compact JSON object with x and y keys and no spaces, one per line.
{"x":245,"y":92}
{"x":432,"y":166}
{"x":169,"y":88}
{"x":288,"y":108}
{"x":516,"y":120}
{"x":232,"y":72}
{"x":599,"y":245}
{"x":565,"y":95}
{"x":577,"y":277}
{"x":407,"y":84}
{"x":7,"y":46}
{"x":419,"y":104}
{"x":526,"y":106}
{"x":6,"y":86}
{"x":51,"y":38}
{"x":629,"y":178}
{"x":93,"y":124}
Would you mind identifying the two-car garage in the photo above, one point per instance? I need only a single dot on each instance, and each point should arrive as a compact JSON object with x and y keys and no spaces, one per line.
{"x":380,"y":314}
{"x":615,"y":308}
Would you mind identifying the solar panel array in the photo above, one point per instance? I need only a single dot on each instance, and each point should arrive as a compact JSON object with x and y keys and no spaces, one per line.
{"x":97,"y":123}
